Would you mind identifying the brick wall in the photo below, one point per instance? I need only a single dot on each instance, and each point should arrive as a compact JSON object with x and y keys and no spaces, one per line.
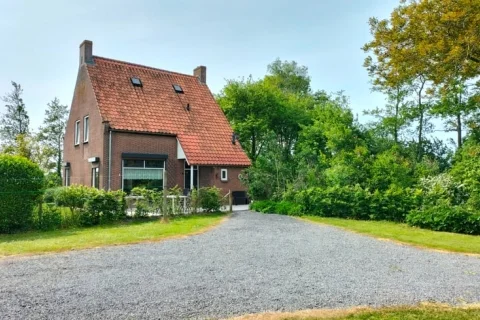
{"x":233,"y":183}
{"x":84,"y":104}
{"x":145,"y":143}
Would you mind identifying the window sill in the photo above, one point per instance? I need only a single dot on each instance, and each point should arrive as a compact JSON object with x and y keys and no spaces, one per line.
{"x":85,"y":142}
{"x":76,"y":144}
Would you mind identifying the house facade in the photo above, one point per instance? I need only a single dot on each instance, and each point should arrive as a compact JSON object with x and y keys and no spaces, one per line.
{"x":132,"y":125}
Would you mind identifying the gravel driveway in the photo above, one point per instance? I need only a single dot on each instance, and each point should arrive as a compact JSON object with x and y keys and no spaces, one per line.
{"x":251,"y":263}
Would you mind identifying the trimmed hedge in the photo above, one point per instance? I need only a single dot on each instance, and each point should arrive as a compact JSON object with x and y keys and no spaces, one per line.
{"x":354,"y":202}
{"x":21,"y":185}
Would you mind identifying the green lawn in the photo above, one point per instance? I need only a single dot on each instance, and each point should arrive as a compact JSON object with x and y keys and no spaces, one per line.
{"x":434,"y":312}
{"x":120,"y":233}
{"x":401,"y":232}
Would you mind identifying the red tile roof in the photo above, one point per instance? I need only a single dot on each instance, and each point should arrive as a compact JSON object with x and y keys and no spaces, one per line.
{"x":204,"y":132}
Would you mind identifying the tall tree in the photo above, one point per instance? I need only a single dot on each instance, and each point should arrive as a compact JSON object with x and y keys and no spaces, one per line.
{"x":455,"y":106}
{"x":52,"y":131}
{"x":288,"y":76}
{"x":15,"y":120}
{"x":438,"y":38}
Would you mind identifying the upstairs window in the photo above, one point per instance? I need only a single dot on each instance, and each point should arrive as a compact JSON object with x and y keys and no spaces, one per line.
{"x":77,"y":132}
{"x":85,"y":129}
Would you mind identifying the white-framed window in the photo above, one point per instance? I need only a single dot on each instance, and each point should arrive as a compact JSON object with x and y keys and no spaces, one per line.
{"x":96,"y":177}
{"x":142,"y":173}
{"x":86,"y":126}
{"x":77,"y":132}
{"x":224,"y":175}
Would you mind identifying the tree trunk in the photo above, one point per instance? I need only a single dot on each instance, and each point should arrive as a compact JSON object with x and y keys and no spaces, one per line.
{"x":422,"y":114}
{"x":459,"y":130}
{"x":254,"y":147}
{"x":397,"y":107}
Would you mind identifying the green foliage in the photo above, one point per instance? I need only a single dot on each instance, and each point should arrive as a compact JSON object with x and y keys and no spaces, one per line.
{"x":151,"y":202}
{"x":264,"y":206}
{"x":48,"y":218}
{"x":74,"y":197}
{"x":390,"y":168}
{"x":50,"y":194}
{"x":21,"y":187}
{"x":14,"y":121}
{"x":52,"y":131}
{"x":90,"y":206}
{"x":445,"y":217}
{"x":354,"y":202}
{"x":52,"y":179}
{"x":103,"y":207}
{"x":210,"y":199}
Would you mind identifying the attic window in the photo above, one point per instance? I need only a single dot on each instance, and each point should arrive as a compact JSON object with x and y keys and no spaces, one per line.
{"x":177,"y":88}
{"x":136,"y":82}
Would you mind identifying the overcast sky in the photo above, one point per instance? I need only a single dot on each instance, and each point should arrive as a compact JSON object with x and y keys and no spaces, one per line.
{"x":40,"y":40}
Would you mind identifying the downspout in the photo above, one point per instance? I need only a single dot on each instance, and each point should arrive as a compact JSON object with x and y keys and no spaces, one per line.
{"x":109,"y":159}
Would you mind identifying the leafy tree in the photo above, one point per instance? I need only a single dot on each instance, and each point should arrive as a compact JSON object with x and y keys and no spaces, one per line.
{"x":248,"y":106}
{"x":52,"y":131}
{"x":288,"y":76}
{"x":455,"y":106}
{"x":439,"y":38}
{"x":15,"y":120}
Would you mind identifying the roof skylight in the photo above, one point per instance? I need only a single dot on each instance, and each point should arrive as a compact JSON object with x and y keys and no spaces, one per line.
{"x":136,"y":82}
{"x":177,"y":88}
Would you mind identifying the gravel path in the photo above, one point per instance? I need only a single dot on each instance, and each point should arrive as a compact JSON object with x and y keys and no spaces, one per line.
{"x":251,"y":263}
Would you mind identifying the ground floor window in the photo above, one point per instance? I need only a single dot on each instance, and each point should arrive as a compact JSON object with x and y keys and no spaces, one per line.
{"x":224,"y":175}
{"x":188,"y":177}
{"x":67,"y":176}
{"x":95,"y":177}
{"x":142,"y":173}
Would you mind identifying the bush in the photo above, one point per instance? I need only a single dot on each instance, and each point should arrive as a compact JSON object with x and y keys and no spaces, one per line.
{"x":358,"y":203}
{"x":103,"y":207}
{"x":74,"y":197}
{"x":288,"y":208}
{"x":444,"y":217}
{"x":264,"y":206}
{"x":49,"y":218}
{"x":22,"y":186}
{"x":210,"y":199}
{"x":50,"y":194}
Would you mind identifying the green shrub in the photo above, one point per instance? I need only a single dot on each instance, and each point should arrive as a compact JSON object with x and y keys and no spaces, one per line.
{"x":21,"y":186}
{"x":288,"y":208}
{"x":48,"y":218}
{"x":210,"y":199}
{"x":354,"y":202}
{"x":444,"y":217}
{"x":103,"y":207}
{"x":74,"y":197}
{"x":50,"y":194}
{"x":52,"y":180}
{"x":265,"y":206}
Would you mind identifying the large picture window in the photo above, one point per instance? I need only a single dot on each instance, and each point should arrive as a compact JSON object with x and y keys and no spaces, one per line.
{"x":143,"y":173}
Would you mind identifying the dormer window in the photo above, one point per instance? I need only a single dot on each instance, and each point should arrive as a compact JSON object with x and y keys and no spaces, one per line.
{"x":136,"y":82}
{"x":177,"y":88}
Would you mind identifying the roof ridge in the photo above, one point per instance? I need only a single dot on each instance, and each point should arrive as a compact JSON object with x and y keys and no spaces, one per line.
{"x":142,"y":66}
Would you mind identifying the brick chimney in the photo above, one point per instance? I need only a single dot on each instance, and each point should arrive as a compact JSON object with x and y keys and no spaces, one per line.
{"x":86,"y":52}
{"x":201,"y":74}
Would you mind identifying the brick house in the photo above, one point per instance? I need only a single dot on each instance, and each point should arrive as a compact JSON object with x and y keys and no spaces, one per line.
{"x":132,"y":125}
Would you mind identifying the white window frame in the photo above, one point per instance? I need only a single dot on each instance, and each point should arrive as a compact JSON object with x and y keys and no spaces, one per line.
{"x":86,"y":127}
{"x":95,"y":182}
{"x":222,"y":178}
{"x":77,"y":133}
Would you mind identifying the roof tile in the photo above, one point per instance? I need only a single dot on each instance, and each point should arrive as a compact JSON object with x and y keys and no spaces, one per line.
{"x":203,"y":132}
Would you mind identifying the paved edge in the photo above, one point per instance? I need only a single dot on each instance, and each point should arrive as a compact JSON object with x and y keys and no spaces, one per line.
{"x":397,"y":242}
{"x":182,"y":236}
